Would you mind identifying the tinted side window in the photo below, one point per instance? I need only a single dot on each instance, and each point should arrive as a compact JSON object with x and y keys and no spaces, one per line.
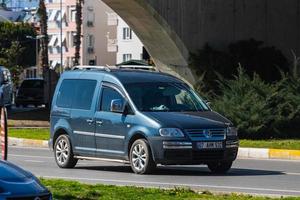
{"x":84,"y":94}
{"x":66,"y":93}
{"x":108,"y":94}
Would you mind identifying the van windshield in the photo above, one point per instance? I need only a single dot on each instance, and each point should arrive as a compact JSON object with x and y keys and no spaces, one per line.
{"x":165,"y":97}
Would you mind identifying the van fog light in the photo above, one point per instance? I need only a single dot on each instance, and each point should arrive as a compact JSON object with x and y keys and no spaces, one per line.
{"x":232,"y":144}
{"x":177,"y":145}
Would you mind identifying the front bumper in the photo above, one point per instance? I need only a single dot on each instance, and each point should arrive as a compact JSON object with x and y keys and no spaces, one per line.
{"x":172,"y":152}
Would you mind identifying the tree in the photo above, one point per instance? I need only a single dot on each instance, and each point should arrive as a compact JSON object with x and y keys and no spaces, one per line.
{"x":42,"y":13}
{"x":79,"y":4}
{"x":17,"y":32}
{"x":11,"y":58}
{"x":14,"y":45}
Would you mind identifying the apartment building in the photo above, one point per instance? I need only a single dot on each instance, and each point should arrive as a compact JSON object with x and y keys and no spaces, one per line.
{"x":99,"y":42}
{"x":66,"y":40}
{"x":129,"y":45}
{"x":106,"y":38}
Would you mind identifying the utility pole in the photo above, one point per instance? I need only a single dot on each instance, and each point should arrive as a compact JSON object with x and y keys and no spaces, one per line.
{"x":37,"y":38}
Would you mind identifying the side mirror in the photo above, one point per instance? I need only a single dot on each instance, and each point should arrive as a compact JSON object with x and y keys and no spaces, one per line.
{"x":117,"y":106}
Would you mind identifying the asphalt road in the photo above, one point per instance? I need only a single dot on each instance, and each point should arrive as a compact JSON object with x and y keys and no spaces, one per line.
{"x":267,"y":177}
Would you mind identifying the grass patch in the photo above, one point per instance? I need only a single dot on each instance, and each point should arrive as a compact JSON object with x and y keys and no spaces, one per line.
{"x":64,"y":190}
{"x":30,"y":133}
{"x":273,"y":144}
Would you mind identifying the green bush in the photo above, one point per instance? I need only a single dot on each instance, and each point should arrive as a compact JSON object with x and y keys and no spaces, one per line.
{"x":259,"y":109}
{"x":286,"y":107}
{"x":244,"y":100}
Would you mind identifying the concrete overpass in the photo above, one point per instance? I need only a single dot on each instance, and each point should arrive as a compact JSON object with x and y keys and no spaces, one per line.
{"x":170,"y":29}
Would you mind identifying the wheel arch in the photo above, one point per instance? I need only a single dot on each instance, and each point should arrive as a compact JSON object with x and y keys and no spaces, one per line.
{"x":136,"y":136}
{"x":59,"y":132}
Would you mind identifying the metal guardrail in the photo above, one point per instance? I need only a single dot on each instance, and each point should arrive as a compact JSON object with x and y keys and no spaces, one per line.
{"x":3,"y":133}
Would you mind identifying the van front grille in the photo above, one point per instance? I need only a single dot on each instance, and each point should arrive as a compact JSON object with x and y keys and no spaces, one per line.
{"x":206,"y":134}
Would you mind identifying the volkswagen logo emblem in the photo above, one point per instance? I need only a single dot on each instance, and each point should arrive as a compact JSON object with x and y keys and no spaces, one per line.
{"x":37,"y":198}
{"x":207,"y":133}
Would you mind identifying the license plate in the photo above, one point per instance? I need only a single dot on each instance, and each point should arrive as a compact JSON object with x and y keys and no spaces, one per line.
{"x":210,"y":145}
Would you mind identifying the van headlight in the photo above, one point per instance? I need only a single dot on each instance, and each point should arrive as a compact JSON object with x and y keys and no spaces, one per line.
{"x":232,"y":131}
{"x":171,"y":132}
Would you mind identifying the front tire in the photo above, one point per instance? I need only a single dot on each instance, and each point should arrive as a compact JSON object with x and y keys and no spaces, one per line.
{"x":141,"y":160}
{"x":63,"y":153}
{"x":220,"y":167}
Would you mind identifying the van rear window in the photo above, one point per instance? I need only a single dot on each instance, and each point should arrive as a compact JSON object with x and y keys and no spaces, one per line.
{"x":66,"y":93}
{"x":76,"y":94}
{"x":84,"y":94}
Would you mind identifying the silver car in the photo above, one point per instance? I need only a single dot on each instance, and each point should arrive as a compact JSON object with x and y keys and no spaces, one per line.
{"x":6,"y":87}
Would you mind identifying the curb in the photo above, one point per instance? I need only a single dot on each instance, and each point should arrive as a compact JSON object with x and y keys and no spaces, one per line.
{"x":269,"y":153}
{"x":19,"y":142}
{"x":255,"y":153}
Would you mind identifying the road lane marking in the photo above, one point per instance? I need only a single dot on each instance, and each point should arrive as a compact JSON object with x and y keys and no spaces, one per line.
{"x":27,"y":156}
{"x":34,"y":161}
{"x":33,"y":148}
{"x":177,"y":184}
{"x":292,"y":173}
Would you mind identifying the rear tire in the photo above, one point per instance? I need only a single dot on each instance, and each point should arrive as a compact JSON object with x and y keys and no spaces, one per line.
{"x":141,"y":160}
{"x":63,"y":153}
{"x":220,"y":167}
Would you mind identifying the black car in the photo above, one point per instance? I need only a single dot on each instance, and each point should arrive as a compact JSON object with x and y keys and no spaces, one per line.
{"x":31,"y":92}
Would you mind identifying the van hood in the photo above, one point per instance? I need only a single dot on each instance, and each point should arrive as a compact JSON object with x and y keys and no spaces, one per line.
{"x":189,"y":120}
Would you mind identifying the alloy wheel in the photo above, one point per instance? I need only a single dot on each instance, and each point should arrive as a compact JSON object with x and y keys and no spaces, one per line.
{"x":62,"y":151}
{"x":139,"y":157}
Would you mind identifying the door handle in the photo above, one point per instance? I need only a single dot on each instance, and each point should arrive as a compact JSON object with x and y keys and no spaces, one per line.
{"x":89,"y":121}
{"x":99,"y":123}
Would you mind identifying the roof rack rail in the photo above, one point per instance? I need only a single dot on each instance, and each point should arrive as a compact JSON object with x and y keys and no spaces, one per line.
{"x":86,"y":67}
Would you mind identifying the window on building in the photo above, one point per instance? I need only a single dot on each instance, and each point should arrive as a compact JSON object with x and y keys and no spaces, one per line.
{"x":127,"y":33}
{"x":90,"y":40}
{"x":73,"y":15}
{"x":90,"y":19}
{"x":127,"y":57}
{"x":73,"y":39}
{"x":108,"y":94}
